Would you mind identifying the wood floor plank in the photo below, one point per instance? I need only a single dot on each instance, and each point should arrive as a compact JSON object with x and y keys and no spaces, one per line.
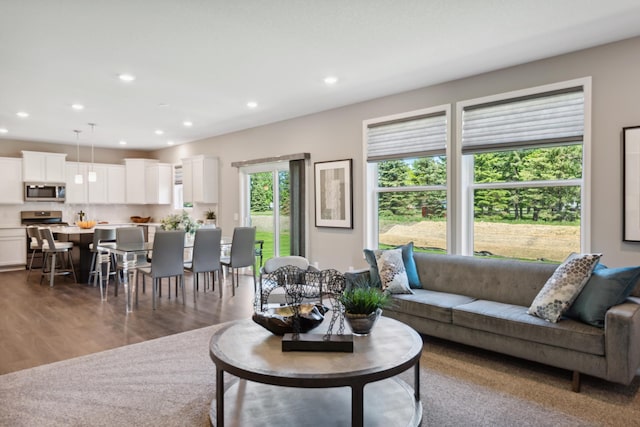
{"x":40,"y":325}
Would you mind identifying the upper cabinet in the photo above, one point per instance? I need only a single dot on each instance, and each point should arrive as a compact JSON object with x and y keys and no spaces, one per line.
{"x":147,"y":182}
{"x":11,"y":187}
{"x":75,"y":193}
{"x":200,"y":179}
{"x":43,"y":167}
{"x":108,"y":188}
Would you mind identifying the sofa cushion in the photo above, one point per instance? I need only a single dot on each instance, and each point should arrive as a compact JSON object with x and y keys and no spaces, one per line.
{"x":393,"y":275}
{"x":606,"y":287}
{"x":508,"y":281}
{"x":428,"y":304}
{"x":513,"y":321}
{"x":562,"y":288}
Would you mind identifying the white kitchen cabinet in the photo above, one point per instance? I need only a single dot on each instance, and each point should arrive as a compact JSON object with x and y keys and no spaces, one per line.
{"x":13,"y":248}
{"x":159,"y":184}
{"x":11,"y":186}
{"x":200,"y":179}
{"x":148,"y":181}
{"x":43,"y":167}
{"x":116,"y":184}
{"x":135,"y":177}
{"x":97,"y":191}
{"x":76,"y":193}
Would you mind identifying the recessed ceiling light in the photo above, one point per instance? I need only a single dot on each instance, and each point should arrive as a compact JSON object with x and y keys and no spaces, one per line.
{"x":123,"y":142}
{"x":4,"y":130}
{"x":127,"y":77}
{"x":159,"y":132}
{"x":187,"y":123}
{"x":330,"y":80}
{"x":169,"y":142}
{"x":77,"y":107}
{"x":252,"y":104}
{"x":22,"y":114}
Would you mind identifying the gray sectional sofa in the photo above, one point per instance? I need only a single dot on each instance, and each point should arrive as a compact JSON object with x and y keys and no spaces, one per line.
{"x":483,"y":303}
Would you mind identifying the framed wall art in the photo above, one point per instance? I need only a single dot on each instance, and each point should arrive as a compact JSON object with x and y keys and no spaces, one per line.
{"x":334,"y":194}
{"x":631,"y":184}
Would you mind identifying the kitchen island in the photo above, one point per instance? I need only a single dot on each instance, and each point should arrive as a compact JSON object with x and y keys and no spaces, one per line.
{"x":82,"y":237}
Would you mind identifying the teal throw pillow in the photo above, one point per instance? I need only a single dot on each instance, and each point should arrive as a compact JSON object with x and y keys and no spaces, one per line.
{"x":606,"y":287}
{"x":374,"y":275}
{"x":410,"y":265}
{"x":407,"y":259}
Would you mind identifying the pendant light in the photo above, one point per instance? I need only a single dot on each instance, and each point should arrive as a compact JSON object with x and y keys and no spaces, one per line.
{"x":78,"y":177}
{"x":92,"y":176}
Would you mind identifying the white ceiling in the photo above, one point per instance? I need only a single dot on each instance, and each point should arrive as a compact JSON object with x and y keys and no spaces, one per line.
{"x":205,"y":59}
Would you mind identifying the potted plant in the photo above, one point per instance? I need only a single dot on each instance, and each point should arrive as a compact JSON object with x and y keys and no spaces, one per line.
{"x":362,"y":307}
{"x":210,"y":217}
{"x":179,"y":222}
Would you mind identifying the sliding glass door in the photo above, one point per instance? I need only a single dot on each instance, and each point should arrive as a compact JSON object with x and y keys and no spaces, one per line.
{"x":269,"y":207}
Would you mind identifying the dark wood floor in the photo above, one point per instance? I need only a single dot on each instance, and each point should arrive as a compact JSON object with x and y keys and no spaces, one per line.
{"x":40,"y":325}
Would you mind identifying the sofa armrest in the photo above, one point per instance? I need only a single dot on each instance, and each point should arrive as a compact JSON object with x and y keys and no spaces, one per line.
{"x":622,"y":341}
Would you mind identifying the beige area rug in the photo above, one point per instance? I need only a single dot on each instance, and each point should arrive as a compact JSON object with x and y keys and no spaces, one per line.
{"x":170,"y":381}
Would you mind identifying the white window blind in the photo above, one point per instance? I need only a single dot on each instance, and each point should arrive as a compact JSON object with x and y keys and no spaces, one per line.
{"x":177,"y":175}
{"x":550,"y":118}
{"x":412,"y":137}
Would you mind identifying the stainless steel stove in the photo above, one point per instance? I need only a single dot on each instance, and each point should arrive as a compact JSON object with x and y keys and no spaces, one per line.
{"x":41,"y":218}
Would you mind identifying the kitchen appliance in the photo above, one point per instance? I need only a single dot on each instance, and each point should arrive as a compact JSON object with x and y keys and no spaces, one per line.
{"x":41,"y":218}
{"x":44,"y":192}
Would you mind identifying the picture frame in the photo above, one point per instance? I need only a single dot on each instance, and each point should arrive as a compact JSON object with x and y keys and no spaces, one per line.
{"x":631,"y":184}
{"x":334,"y":193}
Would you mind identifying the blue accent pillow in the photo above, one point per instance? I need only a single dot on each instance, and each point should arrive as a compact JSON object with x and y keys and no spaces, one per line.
{"x":407,"y":259}
{"x":606,"y":287}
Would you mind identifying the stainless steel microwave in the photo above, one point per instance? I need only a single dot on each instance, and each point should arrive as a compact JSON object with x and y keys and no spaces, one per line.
{"x":44,"y":192}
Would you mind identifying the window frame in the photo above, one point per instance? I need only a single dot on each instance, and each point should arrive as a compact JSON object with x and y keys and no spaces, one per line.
{"x":463,"y":241}
{"x":460,"y":173}
{"x":370,"y":172}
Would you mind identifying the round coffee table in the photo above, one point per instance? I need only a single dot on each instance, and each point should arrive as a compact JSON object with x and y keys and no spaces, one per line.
{"x":255,"y":357}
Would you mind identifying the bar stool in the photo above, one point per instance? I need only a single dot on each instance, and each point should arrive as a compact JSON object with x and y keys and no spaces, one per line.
{"x":51,"y":249}
{"x":35,"y":245}
{"x":95,"y":271}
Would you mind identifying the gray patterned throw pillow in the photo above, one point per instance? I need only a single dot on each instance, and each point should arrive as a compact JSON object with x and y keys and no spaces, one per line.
{"x":393,"y":275}
{"x":563,"y":286}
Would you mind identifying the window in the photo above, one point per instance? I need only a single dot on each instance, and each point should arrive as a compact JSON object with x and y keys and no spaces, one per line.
{"x":178,"y":199}
{"x":407,"y":166}
{"x":522,"y":158}
{"x":514,"y":183}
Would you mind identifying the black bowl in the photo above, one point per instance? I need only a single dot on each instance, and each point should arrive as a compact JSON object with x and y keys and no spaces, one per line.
{"x":280,"y":320}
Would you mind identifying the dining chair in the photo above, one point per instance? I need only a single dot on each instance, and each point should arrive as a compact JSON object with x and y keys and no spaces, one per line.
{"x":51,"y":248}
{"x":126,"y":235}
{"x":242,"y":254}
{"x":167,"y":261}
{"x":100,"y":235}
{"x":205,"y":258}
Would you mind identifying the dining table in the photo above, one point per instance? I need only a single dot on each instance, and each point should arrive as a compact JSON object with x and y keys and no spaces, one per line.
{"x":128,"y":253}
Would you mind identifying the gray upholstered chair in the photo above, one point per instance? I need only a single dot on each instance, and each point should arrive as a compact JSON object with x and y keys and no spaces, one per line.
{"x":243,"y":254}
{"x":167,"y":261}
{"x":51,"y":249}
{"x":205,"y":258}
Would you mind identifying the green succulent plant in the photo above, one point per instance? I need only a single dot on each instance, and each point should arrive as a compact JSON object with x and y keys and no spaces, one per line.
{"x":363,"y":300}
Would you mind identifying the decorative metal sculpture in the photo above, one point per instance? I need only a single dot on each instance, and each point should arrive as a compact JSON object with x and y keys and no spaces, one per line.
{"x":335,"y":285}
